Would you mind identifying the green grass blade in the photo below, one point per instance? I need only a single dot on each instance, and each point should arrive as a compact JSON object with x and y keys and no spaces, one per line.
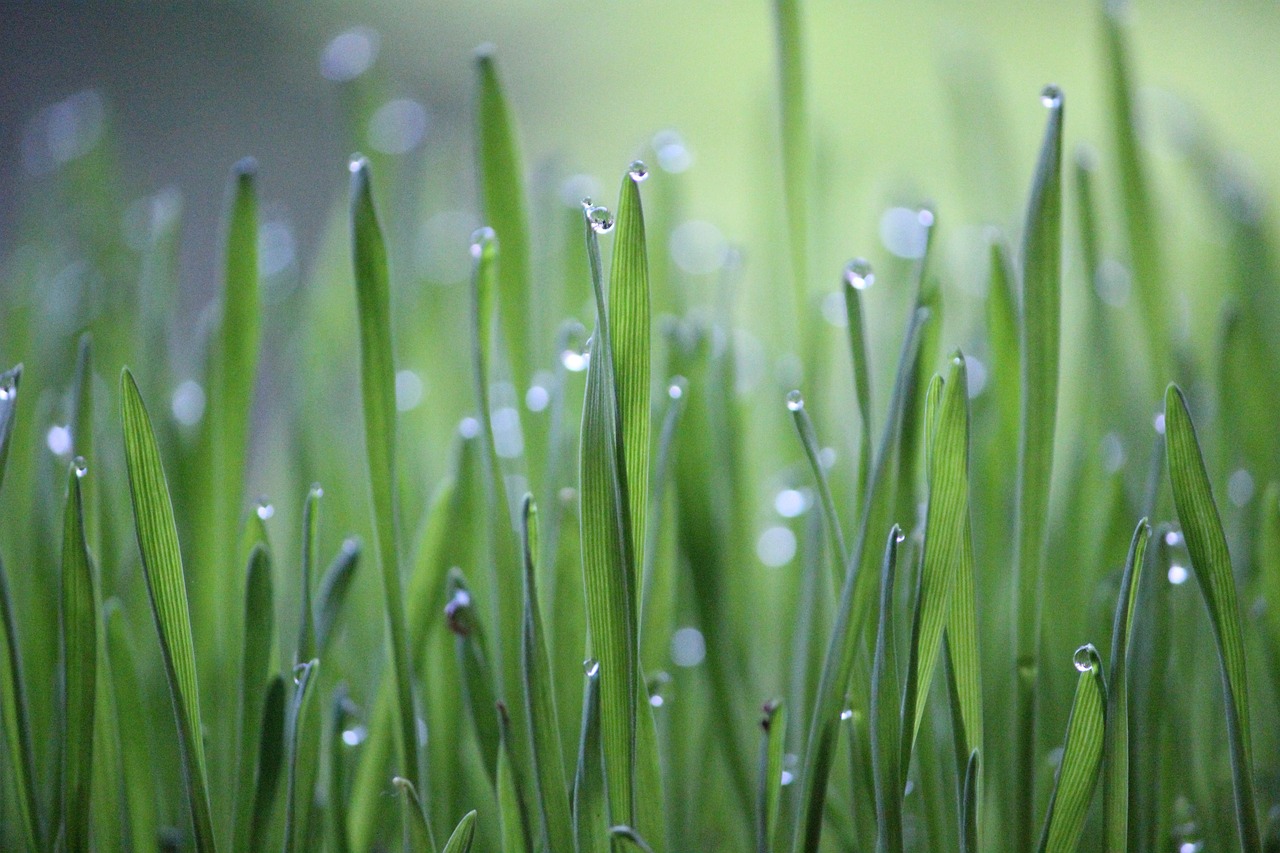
{"x":10,"y":381}
{"x":1207,"y":545}
{"x":377,"y":384}
{"x":590,"y":818}
{"x":502,"y":202}
{"x":886,"y":712}
{"x":306,"y":622}
{"x":82,"y":437}
{"x":544,"y":726}
{"x":1077,"y":775}
{"x":79,"y":674}
{"x":772,"y":750}
{"x":139,"y":781}
{"x":334,"y":588}
{"x":514,"y":822}
{"x":295,"y":828}
{"x":270,"y":761}
{"x":463,"y":834}
{"x":474,"y":664}
{"x":632,"y":838}
{"x":1040,"y":331}
{"x":417,"y":835}
{"x":259,"y":641}
{"x":1115,"y":784}
{"x":830,"y":518}
{"x":969,"y":806}
{"x":341,"y":713}
{"x":796,"y":146}
{"x":162,"y":566}
{"x":857,"y":277}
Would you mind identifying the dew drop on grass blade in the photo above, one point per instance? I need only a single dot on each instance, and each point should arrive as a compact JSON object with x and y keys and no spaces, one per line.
{"x":886,"y":711}
{"x":590,"y":818}
{"x":1077,"y":775}
{"x":297,"y":735}
{"x":79,"y":674}
{"x":772,"y":749}
{"x":259,"y":641}
{"x":416,"y":833}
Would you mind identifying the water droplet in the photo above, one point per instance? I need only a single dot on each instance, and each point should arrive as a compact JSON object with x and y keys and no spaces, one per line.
{"x":299,"y":670}
{"x":827,"y":458}
{"x":398,"y":126}
{"x":317,"y":491}
{"x":1112,"y":453}
{"x":688,"y":647}
{"x":1051,"y":96}
{"x":358,"y":163}
{"x":188,"y":403}
{"x":591,"y":667}
{"x":1083,"y":658}
{"x":349,"y":55}
{"x":787,"y":778}
{"x":699,"y":247}
{"x":900,"y":538}
{"x":600,"y":218}
{"x":1240,"y":487}
{"x":468,"y":427}
{"x":1178,"y":574}
{"x":638,"y":171}
{"x":80,"y":466}
{"x":264,"y":509}
{"x":1158,"y":423}
{"x":58,"y":440}
{"x":409,"y":390}
{"x":481,"y":239}
{"x":925,"y":217}
{"x":795,"y":400}
{"x":1173,"y":538}
{"x":903,"y":233}
{"x":536,"y":398}
{"x":790,"y":503}
{"x":673,"y":156}
{"x":355,"y":735}
{"x":776,"y":546}
{"x":6,"y":388}
{"x":846,"y":715}
{"x":676,"y":389}
{"x":458,"y":613}
{"x":575,"y":360}
{"x":834,"y":310}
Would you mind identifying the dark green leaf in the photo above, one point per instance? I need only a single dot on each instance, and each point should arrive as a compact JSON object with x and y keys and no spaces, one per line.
{"x":886,"y":712}
{"x":79,"y":674}
{"x":1077,"y":775}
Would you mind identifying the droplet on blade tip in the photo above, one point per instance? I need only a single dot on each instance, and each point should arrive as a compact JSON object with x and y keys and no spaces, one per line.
{"x":795,"y":400}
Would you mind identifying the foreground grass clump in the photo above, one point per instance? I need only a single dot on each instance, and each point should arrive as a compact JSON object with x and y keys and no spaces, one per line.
{"x":558,"y":624}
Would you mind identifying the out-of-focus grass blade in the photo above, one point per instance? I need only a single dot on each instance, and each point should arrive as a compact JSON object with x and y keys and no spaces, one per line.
{"x":1038,"y":342}
{"x":1207,"y":545}
{"x":166,"y":586}
{"x":377,"y":383}
{"x":772,"y":749}
{"x":969,"y":806}
{"x":886,"y":712}
{"x":10,"y":380}
{"x":590,"y":818}
{"x":796,"y":146}
{"x":306,"y":621}
{"x":1081,"y":758}
{"x":340,"y":716}
{"x":852,"y":612}
{"x":544,"y":726}
{"x":1141,"y":227}
{"x":333,"y":591}
{"x":830,"y":518}
{"x":295,"y":831}
{"x":632,"y":838}
{"x":857,"y":277}
{"x":139,"y":782}
{"x":1115,"y":784}
{"x":82,"y":437}
{"x":417,"y":835}
{"x":463,"y":834}
{"x":270,"y":761}
{"x":514,"y":823}
{"x":259,"y":641}
{"x":474,"y":665}
{"x":79,"y":674}
{"x":502,"y":200}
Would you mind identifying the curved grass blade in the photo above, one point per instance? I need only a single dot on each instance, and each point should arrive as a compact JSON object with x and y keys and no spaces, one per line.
{"x":473,"y":663}
{"x":162,"y":568}
{"x":886,"y":712}
{"x":270,"y":761}
{"x":463,"y":834}
{"x":830,"y":518}
{"x":1077,"y":775}
{"x":306,"y":621}
{"x":544,"y":726}
{"x":1207,"y":545}
{"x":772,"y":749}
{"x":590,"y":818}
{"x":502,"y":201}
{"x":80,"y":658}
{"x":631,"y":837}
{"x":295,"y":828}
{"x":1115,"y":784}
{"x":856,"y":278}
{"x":259,"y":641}
{"x":10,"y":380}
{"x":1039,"y":345}
{"x":969,"y":806}
{"x":417,"y":835}
{"x":377,"y":384}
{"x":333,"y":592}
{"x":796,"y":146}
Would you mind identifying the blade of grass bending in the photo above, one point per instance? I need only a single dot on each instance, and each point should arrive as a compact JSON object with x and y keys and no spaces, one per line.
{"x":306,"y":622}
{"x":830,"y":518}
{"x":1211,"y":561}
{"x":502,"y":201}
{"x":295,"y":829}
{"x":162,"y":567}
{"x":856,"y":278}
{"x":886,"y":712}
{"x":417,"y":835}
{"x":772,"y":747}
{"x":544,"y":726}
{"x":1077,"y":775}
{"x":631,"y":837}
{"x":377,"y":384}
{"x":590,"y":820}
{"x":851,"y":613}
{"x":473,"y":663}
{"x":138,"y":783}
{"x":1038,"y":342}
{"x":79,"y":673}
{"x":1115,"y":784}
{"x":333,"y":592}
{"x":969,"y":806}
{"x":463,"y":834}
{"x":306,"y":764}
{"x":259,"y":641}
{"x":796,"y":145}
{"x":270,"y":760}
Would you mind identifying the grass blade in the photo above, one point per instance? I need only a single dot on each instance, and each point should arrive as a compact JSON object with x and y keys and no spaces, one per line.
{"x":886,"y":712}
{"x":10,"y":381}
{"x":1077,"y":775}
{"x":139,"y":781}
{"x":341,"y":712}
{"x":502,"y":201}
{"x":162,"y":567}
{"x":632,"y":838}
{"x":1211,"y":561}
{"x":544,"y":726}
{"x":772,"y":749}
{"x":306,"y":621}
{"x":295,"y":828}
{"x":270,"y":761}
{"x":259,"y":641}
{"x":474,"y":666}
{"x":1039,"y":338}
{"x":463,"y":834}
{"x":857,"y":277}
{"x":79,"y":674}
{"x":417,"y":835}
{"x":334,"y":588}
{"x":590,"y":820}
{"x":377,"y":384}
{"x":1115,"y":784}
{"x":830,"y":518}
{"x":796,"y":146}
{"x":969,"y":806}
{"x":514,"y":822}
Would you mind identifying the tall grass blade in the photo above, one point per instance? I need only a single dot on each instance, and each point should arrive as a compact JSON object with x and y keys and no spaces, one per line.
{"x":295,"y":828}
{"x":79,"y":673}
{"x":10,"y":381}
{"x":1211,"y":561}
{"x":796,"y":145}
{"x":417,"y":835}
{"x":544,"y":726}
{"x":272,"y":747}
{"x":139,"y":780}
{"x":259,"y":642}
{"x":1077,"y":775}
{"x":854,"y":280}
{"x":1039,"y":338}
{"x":310,"y":533}
{"x":514,"y":822}
{"x":162,"y":567}
{"x":463,"y":834}
{"x":886,"y":712}
{"x":1115,"y":784}
{"x":377,"y":384}
{"x":772,"y":752}
{"x":332,"y":595}
{"x":477,"y":674}
{"x":340,"y":716}
{"x":969,"y":806}
{"x":590,"y":818}
{"x":830,"y":518}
